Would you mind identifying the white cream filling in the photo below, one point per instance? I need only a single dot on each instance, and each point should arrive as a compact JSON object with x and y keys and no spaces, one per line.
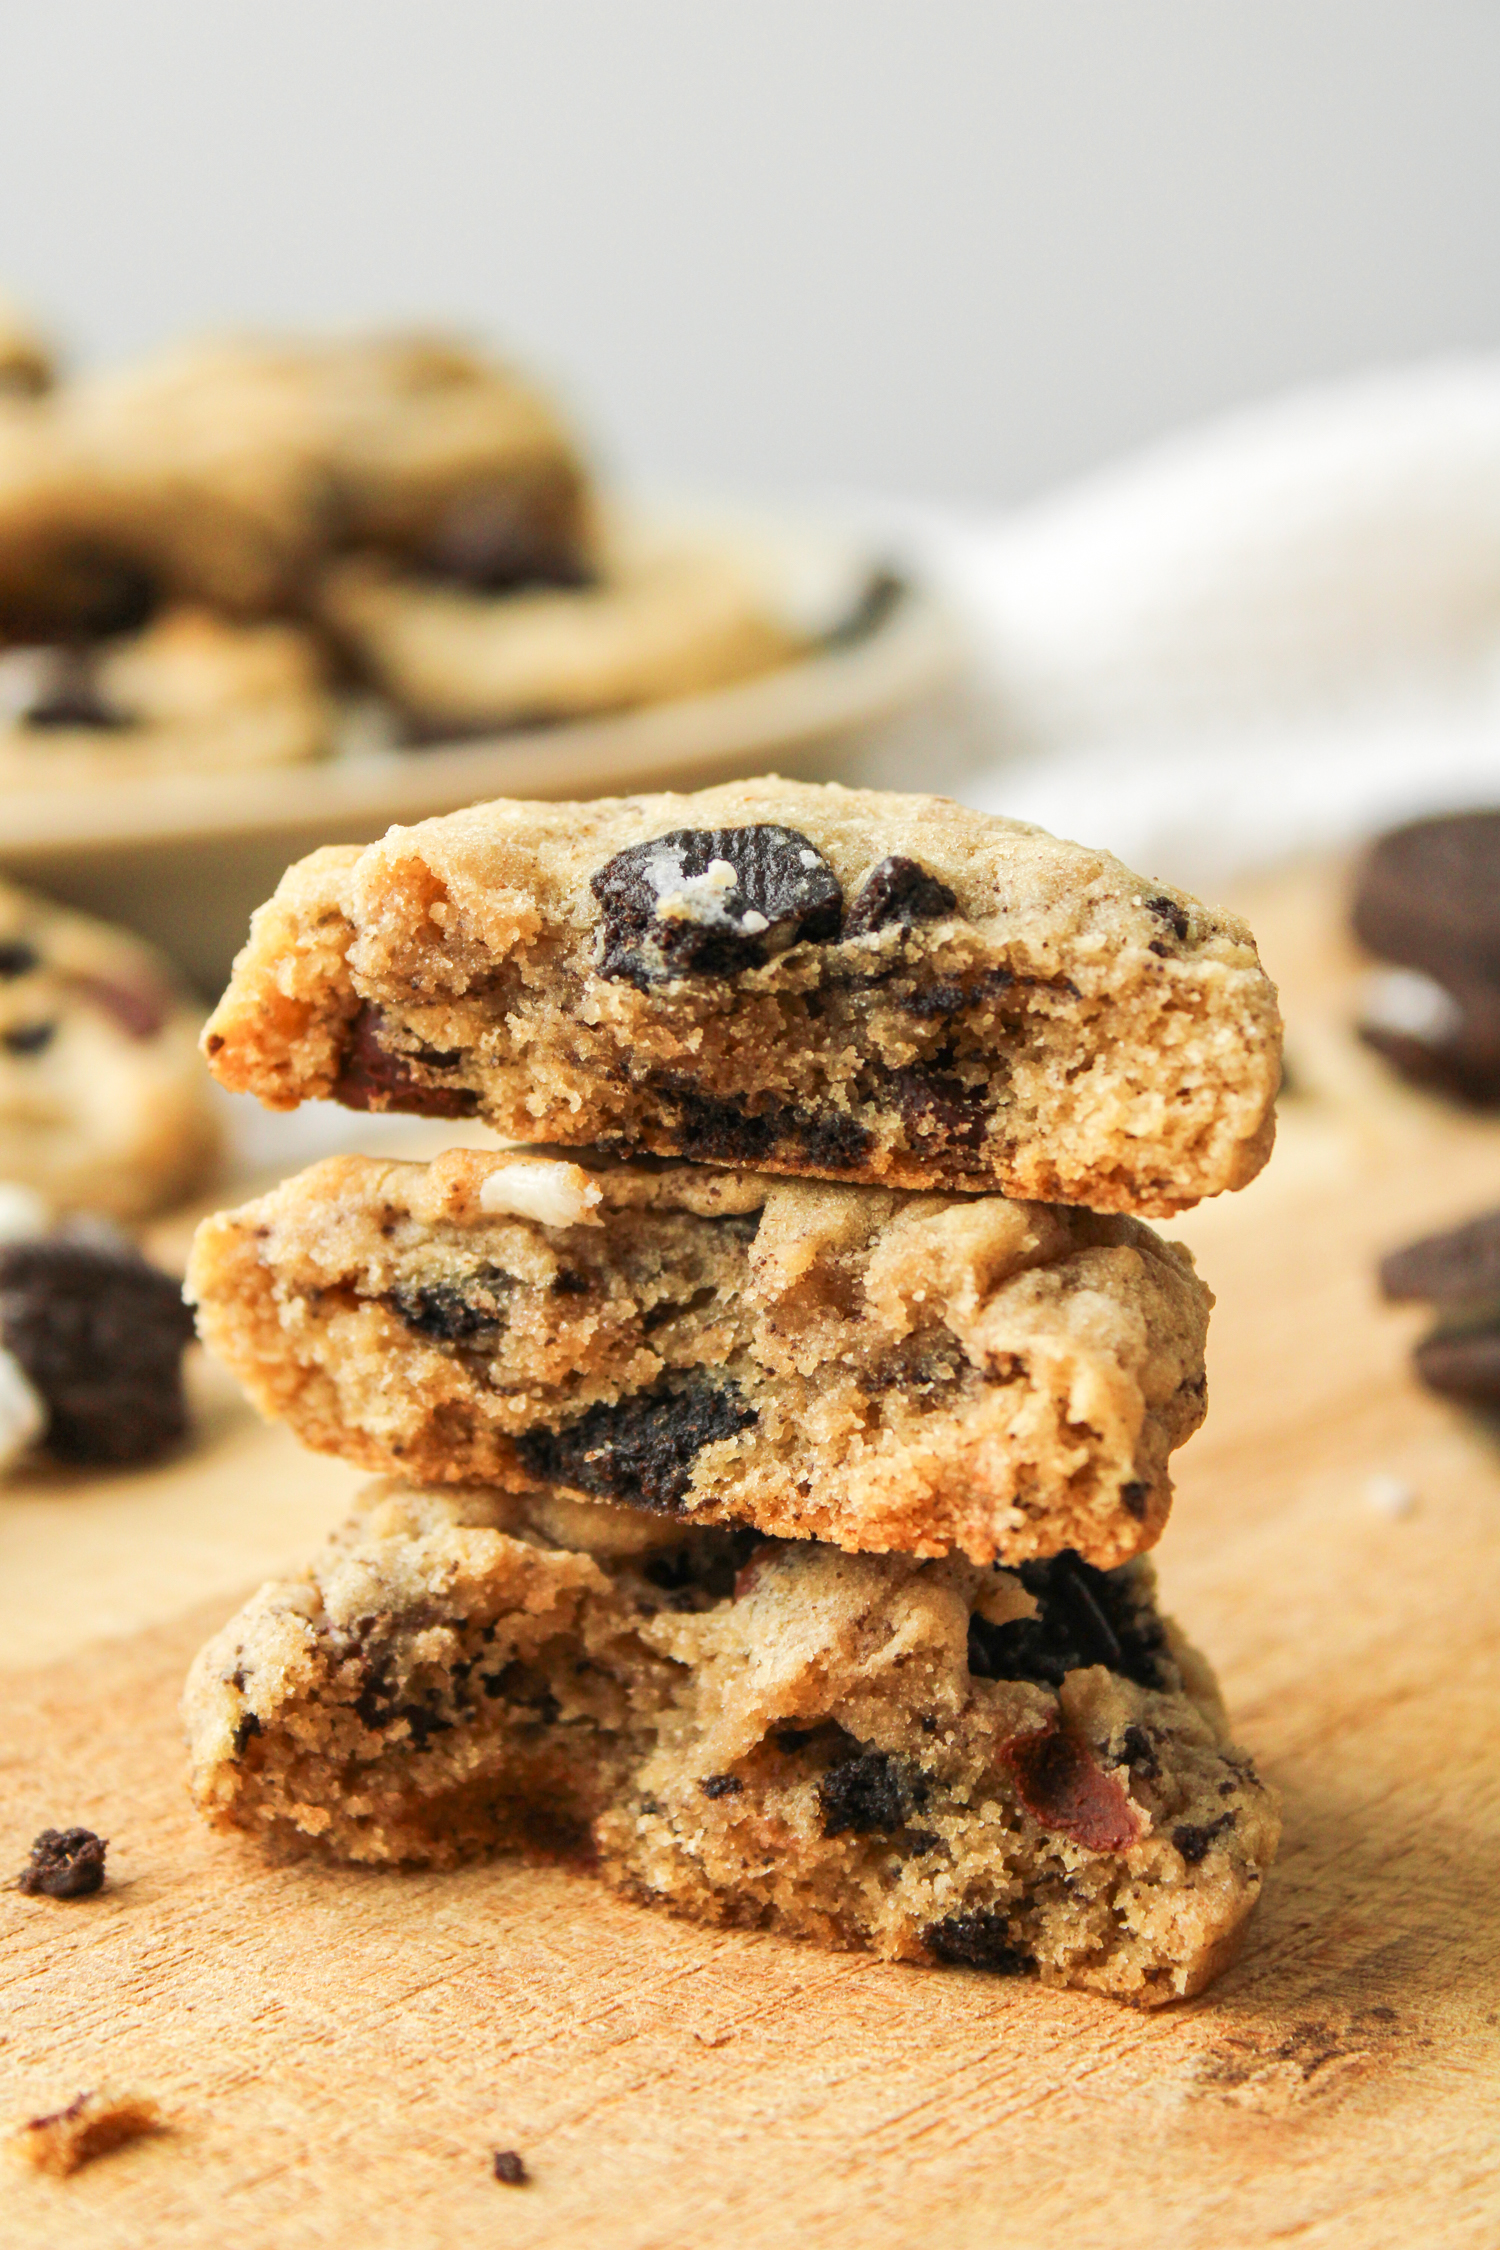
{"x":543,"y":1188}
{"x":23,"y":1411}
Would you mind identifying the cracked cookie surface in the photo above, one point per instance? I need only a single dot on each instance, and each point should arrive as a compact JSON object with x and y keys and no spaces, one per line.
{"x":1027,"y":1773}
{"x":876,"y":1368}
{"x":986,"y":1008}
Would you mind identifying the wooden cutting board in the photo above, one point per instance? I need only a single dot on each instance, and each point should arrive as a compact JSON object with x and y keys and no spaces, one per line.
{"x":339,"y":2054}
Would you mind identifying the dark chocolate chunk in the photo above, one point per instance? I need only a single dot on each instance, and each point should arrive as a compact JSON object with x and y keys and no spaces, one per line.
{"x":1461,"y":1266}
{"x":100,"y":1333}
{"x":981,"y":1940}
{"x":66,"y":693}
{"x":1193,"y":1838}
{"x":510,"y":2168}
{"x":782,"y":891}
{"x":64,"y":1863}
{"x":883,"y":591}
{"x":898,"y":890}
{"x":1174,"y":916}
{"x":378,"y":1705}
{"x":372,"y":1076}
{"x":940,"y":1113}
{"x":642,"y":1449}
{"x":1136,"y":1750}
{"x":722,"y":1785}
{"x":450,"y":1314}
{"x":28,"y":1038}
{"x":1084,"y":1616}
{"x":1065,"y":1789}
{"x":711,"y":1129}
{"x":246,"y":1728}
{"x":1462,"y":1360}
{"x":1133,"y":1498}
{"x":497,"y":537}
{"x":868,"y":1794}
{"x":17,"y":959}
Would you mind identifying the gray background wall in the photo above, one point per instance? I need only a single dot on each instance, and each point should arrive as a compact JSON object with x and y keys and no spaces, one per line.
{"x":955,"y":247}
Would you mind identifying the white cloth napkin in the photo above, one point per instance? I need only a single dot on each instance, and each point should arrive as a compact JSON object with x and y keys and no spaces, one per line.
{"x":1276,"y":632}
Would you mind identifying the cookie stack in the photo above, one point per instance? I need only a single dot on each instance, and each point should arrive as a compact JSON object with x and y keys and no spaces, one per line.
{"x":771,"y":1456}
{"x":241,"y":553}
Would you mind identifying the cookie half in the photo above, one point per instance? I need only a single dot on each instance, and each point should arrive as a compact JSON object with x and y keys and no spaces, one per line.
{"x":800,"y":979}
{"x":878,"y":1369}
{"x":1026,"y":1773}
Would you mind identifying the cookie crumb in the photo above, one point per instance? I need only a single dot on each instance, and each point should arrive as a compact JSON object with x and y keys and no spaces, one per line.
{"x":510,"y":2168}
{"x":1390,"y":1496}
{"x":92,"y":2125}
{"x":64,"y":1863}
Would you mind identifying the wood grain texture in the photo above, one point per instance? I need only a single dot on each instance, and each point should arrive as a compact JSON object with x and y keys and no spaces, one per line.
{"x":340,"y":2053}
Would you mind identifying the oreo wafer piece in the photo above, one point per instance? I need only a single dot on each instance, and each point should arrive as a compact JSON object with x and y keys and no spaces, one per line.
{"x":1428,"y":900}
{"x":1459,"y":1271}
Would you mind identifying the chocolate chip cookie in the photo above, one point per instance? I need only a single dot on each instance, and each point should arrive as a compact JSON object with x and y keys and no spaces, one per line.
{"x":1026,"y":1772}
{"x":103,"y":1103}
{"x":461,"y":649}
{"x":191,"y":692}
{"x":875,"y":1368}
{"x":792,"y":978}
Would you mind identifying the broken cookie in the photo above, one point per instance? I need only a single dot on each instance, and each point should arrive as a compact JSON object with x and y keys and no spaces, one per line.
{"x":875,"y":1368}
{"x":1024,"y":1772}
{"x":799,"y":979}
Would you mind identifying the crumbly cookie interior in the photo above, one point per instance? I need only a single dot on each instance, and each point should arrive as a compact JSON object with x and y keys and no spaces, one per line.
{"x":879,"y":1369}
{"x":1022,"y":1772}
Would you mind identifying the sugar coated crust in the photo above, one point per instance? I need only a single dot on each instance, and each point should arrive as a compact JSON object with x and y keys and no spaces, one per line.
{"x":875,"y":1368}
{"x":103,"y":1103}
{"x":979,"y":1006}
{"x":1029,"y":1774}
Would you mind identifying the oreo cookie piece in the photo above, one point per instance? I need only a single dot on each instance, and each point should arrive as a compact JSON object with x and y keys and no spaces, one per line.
{"x":713,"y":902}
{"x":1459,"y":1267}
{"x":1459,"y":1271}
{"x":99,"y":1335}
{"x":1428,"y":900}
{"x":898,"y":890}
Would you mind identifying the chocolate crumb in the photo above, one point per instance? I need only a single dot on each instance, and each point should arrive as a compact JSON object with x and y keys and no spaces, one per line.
{"x":92,"y":2125}
{"x":64,"y":1863}
{"x":1133,"y":1498}
{"x":510,"y":2168}
{"x":721,"y":1785}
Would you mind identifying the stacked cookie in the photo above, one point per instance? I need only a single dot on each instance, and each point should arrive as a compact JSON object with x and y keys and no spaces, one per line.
{"x":772,"y":1457}
{"x":215,"y":558}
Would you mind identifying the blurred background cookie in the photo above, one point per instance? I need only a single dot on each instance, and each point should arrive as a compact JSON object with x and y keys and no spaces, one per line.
{"x":26,"y":362}
{"x":666,"y":615}
{"x":190,"y":692}
{"x":104,"y":1105}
